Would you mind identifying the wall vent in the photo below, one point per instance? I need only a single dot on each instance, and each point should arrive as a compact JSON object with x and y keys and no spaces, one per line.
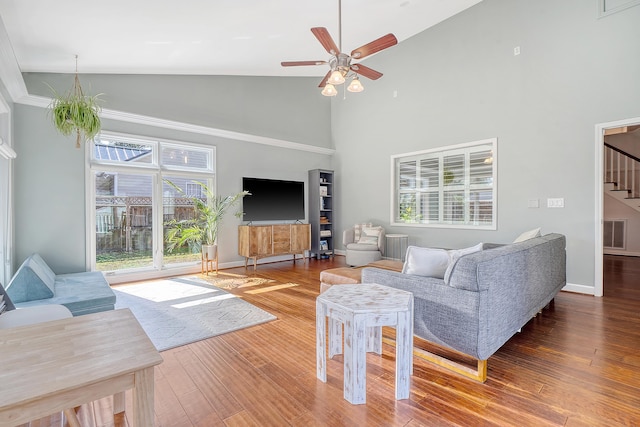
{"x":614,"y":232}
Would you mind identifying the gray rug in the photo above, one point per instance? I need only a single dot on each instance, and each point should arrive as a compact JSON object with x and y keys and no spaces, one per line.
{"x":179,"y":311}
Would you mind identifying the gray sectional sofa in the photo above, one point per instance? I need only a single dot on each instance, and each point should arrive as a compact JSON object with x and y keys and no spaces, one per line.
{"x":82,"y":293}
{"x":488,"y":297}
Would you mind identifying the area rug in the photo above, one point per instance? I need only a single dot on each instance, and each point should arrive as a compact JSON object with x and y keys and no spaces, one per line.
{"x":179,"y":311}
{"x":232,"y":281}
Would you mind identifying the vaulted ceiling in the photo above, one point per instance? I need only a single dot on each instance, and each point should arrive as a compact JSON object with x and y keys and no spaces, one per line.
{"x":221,"y":37}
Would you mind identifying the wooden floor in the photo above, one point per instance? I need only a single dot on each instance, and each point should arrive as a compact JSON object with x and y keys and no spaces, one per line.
{"x":576,"y":364}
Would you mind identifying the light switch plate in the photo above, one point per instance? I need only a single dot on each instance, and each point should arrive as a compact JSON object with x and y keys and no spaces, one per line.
{"x":555,"y":203}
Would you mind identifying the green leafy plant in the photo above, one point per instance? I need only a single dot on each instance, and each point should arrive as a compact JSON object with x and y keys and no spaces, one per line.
{"x":448,"y":176}
{"x":203,"y":228}
{"x":76,"y":112}
{"x":409,"y":214}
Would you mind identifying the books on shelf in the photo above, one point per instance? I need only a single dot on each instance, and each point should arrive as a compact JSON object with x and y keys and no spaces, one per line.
{"x":325,"y":233}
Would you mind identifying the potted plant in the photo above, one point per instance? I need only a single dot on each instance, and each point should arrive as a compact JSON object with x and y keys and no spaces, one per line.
{"x":76,"y":112}
{"x":202,"y":229}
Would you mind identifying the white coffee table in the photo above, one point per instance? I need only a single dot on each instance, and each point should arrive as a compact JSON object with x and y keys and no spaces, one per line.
{"x":363,"y":309}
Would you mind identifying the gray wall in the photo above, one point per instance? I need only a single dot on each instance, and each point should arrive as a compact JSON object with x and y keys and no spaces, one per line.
{"x":460,"y":82}
{"x":275,"y":107}
{"x":50,"y":172}
{"x":455,"y":83}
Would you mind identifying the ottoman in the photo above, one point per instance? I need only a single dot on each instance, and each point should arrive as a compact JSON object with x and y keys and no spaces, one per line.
{"x":351,"y":275}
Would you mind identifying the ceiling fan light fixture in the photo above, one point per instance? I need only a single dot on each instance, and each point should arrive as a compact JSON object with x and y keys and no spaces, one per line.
{"x":336,"y":78}
{"x":355,"y":85}
{"x":329,"y":90}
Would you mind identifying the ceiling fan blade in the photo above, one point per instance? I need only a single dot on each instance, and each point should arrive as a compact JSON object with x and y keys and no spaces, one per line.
{"x":374,"y":46}
{"x":323,"y":83}
{"x":366,"y":71}
{"x":323,"y":36}
{"x":297,"y":63}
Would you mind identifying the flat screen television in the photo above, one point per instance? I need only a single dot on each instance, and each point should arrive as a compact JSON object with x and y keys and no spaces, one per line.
{"x":272,"y":200}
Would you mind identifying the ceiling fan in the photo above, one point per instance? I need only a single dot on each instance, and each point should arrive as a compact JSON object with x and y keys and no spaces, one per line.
{"x":341,"y":65}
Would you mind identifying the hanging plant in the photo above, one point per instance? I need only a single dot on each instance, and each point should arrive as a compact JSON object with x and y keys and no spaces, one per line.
{"x":76,"y":112}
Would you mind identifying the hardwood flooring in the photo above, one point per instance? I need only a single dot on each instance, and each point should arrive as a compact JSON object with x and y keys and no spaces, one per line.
{"x":576,"y":364}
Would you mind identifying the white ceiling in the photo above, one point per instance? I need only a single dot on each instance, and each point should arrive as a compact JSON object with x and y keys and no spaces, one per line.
{"x":215,"y":37}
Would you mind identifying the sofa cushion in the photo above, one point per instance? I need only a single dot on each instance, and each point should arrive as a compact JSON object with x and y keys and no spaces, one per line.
{"x":82,"y":293}
{"x":528,"y":235}
{"x":455,"y":255}
{"x":428,"y":262}
{"x":34,"y":280}
{"x":362,"y":247}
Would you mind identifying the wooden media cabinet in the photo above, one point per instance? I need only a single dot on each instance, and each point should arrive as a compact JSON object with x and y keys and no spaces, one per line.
{"x":263,"y":241}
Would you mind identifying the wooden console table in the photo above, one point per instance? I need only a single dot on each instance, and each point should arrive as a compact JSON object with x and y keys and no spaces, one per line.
{"x":49,"y":367}
{"x":263,"y":241}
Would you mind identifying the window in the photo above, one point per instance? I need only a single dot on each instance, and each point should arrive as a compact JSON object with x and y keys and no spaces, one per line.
{"x":446,"y":187}
{"x":131,"y":201}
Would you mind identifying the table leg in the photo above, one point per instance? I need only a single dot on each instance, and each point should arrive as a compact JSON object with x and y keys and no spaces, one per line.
{"x":374,"y":339}
{"x":321,"y":356}
{"x":411,"y":317}
{"x":355,"y":360}
{"x":335,"y":337}
{"x":404,"y":356}
{"x":143,"y":398}
{"x":118,"y":403}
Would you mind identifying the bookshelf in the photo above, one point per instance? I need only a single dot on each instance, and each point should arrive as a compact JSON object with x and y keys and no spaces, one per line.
{"x":321,"y":212}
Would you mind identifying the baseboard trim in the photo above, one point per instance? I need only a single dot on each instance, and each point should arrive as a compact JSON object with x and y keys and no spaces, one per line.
{"x":580,"y":289}
{"x":623,"y":253}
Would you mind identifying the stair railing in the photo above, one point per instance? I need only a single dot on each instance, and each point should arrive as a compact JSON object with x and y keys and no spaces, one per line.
{"x":623,"y":169}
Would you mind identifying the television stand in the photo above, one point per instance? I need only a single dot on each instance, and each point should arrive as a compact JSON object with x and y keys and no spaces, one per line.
{"x":264,"y":241}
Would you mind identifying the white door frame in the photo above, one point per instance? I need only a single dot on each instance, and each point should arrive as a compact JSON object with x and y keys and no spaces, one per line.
{"x":599,"y":197}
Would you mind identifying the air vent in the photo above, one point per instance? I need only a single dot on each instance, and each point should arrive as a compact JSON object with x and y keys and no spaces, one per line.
{"x":614,"y":232}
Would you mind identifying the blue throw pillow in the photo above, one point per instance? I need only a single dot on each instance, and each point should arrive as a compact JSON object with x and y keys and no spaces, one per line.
{"x":34,"y":280}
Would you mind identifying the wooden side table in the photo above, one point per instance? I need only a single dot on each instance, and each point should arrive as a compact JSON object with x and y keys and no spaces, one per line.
{"x":49,"y":367}
{"x":364,"y":309}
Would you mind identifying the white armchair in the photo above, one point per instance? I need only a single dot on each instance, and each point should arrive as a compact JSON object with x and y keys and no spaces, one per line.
{"x":363,"y":244}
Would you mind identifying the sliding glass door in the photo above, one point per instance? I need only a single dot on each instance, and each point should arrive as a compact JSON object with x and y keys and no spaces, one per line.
{"x":124,"y":221}
{"x":134,"y":196}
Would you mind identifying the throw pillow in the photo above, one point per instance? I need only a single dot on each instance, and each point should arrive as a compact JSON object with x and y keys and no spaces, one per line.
{"x":455,"y":255}
{"x":357,"y":231}
{"x":428,"y":262}
{"x":528,"y":235}
{"x":369,"y":235}
{"x":34,"y":280}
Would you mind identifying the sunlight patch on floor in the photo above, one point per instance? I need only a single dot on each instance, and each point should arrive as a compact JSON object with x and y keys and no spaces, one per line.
{"x":203,"y":301}
{"x":164,"y":290}
{"x":272,"y":288}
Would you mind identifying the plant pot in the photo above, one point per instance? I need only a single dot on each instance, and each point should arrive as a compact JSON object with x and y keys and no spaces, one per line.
{"x":209,"y":251}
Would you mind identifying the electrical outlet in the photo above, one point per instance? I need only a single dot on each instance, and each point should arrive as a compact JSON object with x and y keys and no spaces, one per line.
{"x":516,"y":51}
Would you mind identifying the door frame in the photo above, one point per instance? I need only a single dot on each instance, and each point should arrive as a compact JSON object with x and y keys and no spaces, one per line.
{"x":599,"y":197}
